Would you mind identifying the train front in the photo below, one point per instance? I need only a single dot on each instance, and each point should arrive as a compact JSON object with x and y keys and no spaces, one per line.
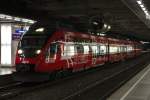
{"x":28,"y":52}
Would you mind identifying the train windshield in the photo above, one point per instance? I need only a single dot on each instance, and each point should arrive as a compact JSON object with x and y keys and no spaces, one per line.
{"x":31,"y":45}
{"x":32,"y":42}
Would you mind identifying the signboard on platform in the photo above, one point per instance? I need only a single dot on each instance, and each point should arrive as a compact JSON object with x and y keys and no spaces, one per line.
{"x":17,"y":34}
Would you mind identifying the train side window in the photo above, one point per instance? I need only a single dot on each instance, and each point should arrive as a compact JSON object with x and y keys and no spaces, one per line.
{"x":69,"y":50}
{"x":124,"y":48}
{"x":129,"y":48}
{"x":118,"y":49}
{"x":51,"y":52}
{"x":121,"y":49}
{"x":79,"y":48}
{"x":86,"y":49}
{"x":102,"y":49}
{"x":52,"y":49}
{"x":95,"y":50}
{"x":113,"y":49}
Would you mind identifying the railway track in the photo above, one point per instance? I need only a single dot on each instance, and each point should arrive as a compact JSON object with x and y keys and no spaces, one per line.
{"x":8,"y":86}
{"x":11,"y":90}
{"x":6,"y":79}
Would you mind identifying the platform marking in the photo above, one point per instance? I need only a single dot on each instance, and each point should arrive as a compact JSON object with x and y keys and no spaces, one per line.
{"x":137,"y":82}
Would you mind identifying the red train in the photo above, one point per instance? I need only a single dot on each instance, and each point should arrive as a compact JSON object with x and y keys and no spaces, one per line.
{"x":48,"y":49}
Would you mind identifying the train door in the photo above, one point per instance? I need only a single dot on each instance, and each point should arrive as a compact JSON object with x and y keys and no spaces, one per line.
{"x":94,"y":53}
{"x":52,"y":57}
{"x":87,"y":55}
{"x":80,"y":57}
{"x":103,"y":52}
{"x":51,"y":53}
{"x":69,"y":54}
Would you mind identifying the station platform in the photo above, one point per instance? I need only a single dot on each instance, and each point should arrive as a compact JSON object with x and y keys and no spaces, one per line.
{"x":138,"y":88}
{"x":6,"y":70}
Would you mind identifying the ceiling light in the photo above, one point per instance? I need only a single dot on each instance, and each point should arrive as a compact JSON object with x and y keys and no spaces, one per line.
{"x":109,"y":27}
{"x":2,"y":16}
{"x":25,"y":20}
{"x":144,"y":9}
{"x":39,"y":30}
{"x":17,"y":19}
{"x":105,"y":25}
{"x":142,"y":5}
{"x":9,"y":17}
{"x":147,"y":14}
{"x":139,"y":2}
{"x":31,"y":21}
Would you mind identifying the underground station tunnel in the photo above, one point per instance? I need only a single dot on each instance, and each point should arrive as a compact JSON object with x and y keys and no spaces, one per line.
{"x":74,"y":50}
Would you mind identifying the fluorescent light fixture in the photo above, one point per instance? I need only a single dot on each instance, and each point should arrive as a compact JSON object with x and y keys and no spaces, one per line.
{"x":2,"y":16}
{"x":144,"y":9}
{"x":95,"y":23}
{"x":17,"y":19}
{"x":39,"y":30}
{"x":109,"y":27}
{"x":31,"y":21}
{"x":25,"y":20}
{"x":105,"y":25}
{"x":9,"y":17}
{"x":147,"y":14}
{"x":139,"y":2}
{"x":142,"y":6}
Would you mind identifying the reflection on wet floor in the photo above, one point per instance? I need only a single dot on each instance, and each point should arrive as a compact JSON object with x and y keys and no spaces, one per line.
{"x":4,"y":71}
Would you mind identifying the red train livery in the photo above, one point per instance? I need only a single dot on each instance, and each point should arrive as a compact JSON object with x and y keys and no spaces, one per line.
{"x":47,"y":49}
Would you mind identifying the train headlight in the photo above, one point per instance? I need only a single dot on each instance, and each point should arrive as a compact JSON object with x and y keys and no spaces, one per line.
{"x":38,"y":51}
{"x":20,"y":51}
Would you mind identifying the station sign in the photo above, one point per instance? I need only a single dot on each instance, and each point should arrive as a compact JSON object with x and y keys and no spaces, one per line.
{"x":17,"y":34}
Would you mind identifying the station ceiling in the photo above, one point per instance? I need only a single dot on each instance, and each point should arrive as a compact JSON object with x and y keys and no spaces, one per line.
{"x":124,"y":16}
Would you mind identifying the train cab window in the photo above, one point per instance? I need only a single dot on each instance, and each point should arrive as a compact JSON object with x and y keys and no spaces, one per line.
{"x":86,"y":49}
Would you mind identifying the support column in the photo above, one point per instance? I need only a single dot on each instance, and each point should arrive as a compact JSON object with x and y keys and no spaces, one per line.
{"x":6,"y":41}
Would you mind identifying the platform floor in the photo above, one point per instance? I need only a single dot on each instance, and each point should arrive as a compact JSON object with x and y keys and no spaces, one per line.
{"x":5,"y":71}
{"x":138,"y":88}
